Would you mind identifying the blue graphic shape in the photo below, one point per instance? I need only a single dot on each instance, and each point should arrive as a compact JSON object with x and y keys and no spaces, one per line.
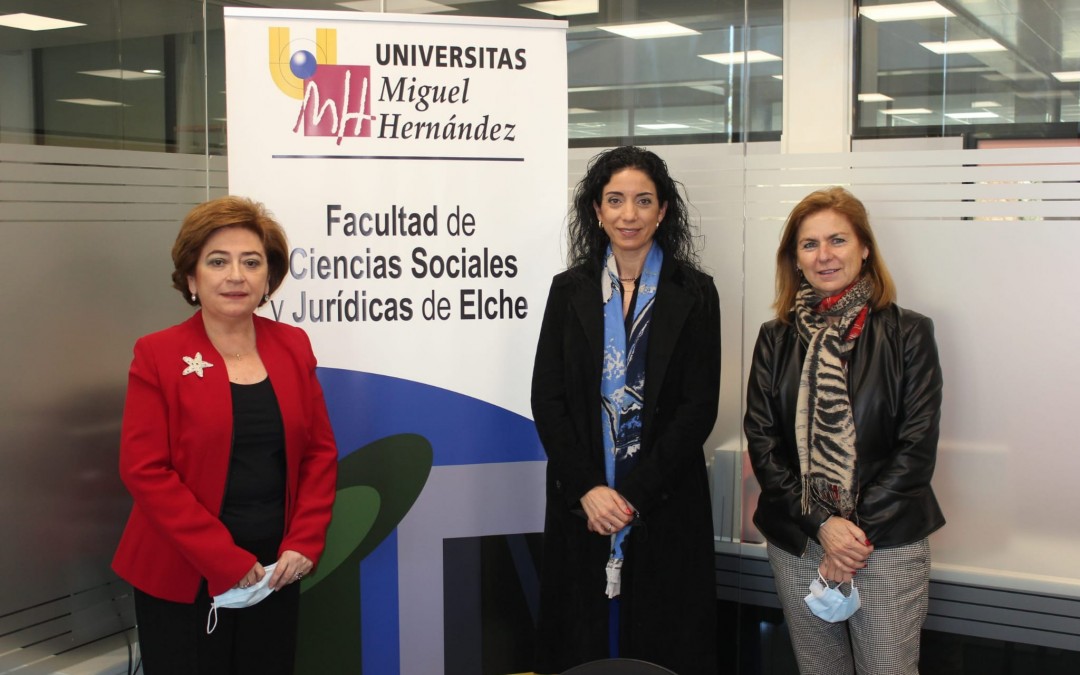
{"x":303,"y":64}
{"x":380,"y":636}
{"x":365,"y":407}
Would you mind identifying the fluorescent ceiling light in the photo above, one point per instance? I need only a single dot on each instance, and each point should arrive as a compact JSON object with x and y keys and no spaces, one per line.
{"x":663,"y":126}
{"x":118,"y":74}
{"x":907,"y":111}
{"x":874,"y":98}
{"x":151,"y":71}
{"x":1015,"y":77}
{"x":26,"y":21}
{"x":710,"y":89}
{"x":580,"y":111}
{"x":971,"y":115}
{"x":734,"y":58}
{"x":985,"y":104}
{"x":408,"y":6}
{"x":1067,"y":75}
{"x":565,"y":7}
{"x":778,"y":77}
{"x":97,"y":102}
{"x":653,"y":29}
{"x":1046,"y":94}
{"x":907,"y":11}
{"x":964,"y":46}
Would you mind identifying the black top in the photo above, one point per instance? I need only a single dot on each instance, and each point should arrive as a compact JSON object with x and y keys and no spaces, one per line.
{"x":254,"y":505}
{"x":628,"y":320}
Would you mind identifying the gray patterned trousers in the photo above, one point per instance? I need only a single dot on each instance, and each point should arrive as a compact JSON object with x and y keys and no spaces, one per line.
{"x":882,"y":638}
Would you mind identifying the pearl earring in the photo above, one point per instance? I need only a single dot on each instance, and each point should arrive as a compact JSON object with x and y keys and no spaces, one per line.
{"x":194,"y":298}
{"x":600,"y":223}
{"x":266,"y":297}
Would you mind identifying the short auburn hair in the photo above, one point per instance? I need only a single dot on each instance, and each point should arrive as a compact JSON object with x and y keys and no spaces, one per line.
{"x":207,"y":218}
{"x":848,"y":205}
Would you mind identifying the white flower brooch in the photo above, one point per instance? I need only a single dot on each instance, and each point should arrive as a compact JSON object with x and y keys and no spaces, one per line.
{"x":196,"y":365}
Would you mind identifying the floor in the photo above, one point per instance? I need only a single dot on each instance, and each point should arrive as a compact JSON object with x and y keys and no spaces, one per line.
{"x":754,"y":641}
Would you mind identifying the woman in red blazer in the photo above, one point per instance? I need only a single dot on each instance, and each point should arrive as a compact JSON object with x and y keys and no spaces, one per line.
{"x":228,"y":453}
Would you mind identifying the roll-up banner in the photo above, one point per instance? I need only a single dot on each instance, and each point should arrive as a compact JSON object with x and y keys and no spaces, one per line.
{"x":418,"y":165}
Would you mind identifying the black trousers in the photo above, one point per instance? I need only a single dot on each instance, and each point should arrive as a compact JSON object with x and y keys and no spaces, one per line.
{"x":256,"y":640}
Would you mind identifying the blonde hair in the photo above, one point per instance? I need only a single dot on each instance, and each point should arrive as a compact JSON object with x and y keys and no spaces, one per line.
{"x":848,"y":205}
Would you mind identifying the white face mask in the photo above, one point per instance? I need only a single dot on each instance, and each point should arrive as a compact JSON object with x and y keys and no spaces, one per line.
{"x":829,"y":603}
{"x":237,"y":598}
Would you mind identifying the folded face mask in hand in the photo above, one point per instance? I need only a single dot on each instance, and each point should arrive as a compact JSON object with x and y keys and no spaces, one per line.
{"x":829,"y":603}
{"x":237,"y":598}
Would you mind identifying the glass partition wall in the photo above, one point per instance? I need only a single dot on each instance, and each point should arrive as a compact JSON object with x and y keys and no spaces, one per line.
{"x":131,"y":74}
{"x":113,"y":74}
{"x":700,"y":81}
{"x":974,"y":68}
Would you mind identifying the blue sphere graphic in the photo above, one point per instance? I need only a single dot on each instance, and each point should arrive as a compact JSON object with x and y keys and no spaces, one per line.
{"x":302,"y":64}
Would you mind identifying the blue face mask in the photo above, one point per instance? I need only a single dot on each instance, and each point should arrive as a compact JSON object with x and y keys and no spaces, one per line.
{"x":829,"y":603}
{"x":237,"y":597}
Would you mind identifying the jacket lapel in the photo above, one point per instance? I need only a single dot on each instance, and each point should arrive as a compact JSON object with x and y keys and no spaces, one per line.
{"x":673,"y":305}
{"x":590,"y":314}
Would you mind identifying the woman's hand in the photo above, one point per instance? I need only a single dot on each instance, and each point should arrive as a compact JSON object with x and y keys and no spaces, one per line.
{"x":291,"y":566}
{"x":833,"y":572}
{"x":254,"y":576}
{"x":606,"y":510}
{"x":846,"y":548}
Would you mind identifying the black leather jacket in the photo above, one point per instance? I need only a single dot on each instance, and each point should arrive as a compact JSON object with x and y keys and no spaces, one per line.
{"x":894,"y":382}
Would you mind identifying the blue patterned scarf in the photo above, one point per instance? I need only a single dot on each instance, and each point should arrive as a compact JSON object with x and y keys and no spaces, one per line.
{"x":622,"y":386}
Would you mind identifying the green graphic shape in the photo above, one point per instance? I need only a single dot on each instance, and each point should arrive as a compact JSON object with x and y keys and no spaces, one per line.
{"x":377,"y":485}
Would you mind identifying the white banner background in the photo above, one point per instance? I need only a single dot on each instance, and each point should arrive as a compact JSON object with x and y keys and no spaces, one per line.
{"x":430,"y":81}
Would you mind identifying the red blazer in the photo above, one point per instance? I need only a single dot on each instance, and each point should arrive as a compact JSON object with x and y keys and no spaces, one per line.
{"x":174,"y":459}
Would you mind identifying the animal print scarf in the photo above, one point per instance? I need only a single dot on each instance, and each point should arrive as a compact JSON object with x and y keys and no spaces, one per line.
{"x":824,"y":426}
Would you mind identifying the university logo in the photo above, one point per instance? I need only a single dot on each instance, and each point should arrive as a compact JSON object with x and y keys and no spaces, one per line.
{"x":335,"y":100}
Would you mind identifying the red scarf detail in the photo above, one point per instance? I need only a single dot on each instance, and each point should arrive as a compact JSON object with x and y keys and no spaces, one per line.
{"x":857,"y":326}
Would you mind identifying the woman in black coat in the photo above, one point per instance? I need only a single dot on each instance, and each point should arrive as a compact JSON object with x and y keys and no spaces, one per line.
{"x":625,"y":392}
{"x":843,"y":407}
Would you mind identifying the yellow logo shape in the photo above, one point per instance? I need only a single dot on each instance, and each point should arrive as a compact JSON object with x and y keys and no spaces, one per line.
{"x":281,"y":54}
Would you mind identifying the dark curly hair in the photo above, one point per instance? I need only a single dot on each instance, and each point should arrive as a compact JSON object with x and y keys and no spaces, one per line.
{"x":588,"y":242}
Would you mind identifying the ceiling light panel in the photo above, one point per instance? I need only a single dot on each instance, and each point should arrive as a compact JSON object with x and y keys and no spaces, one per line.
{"x":405,"y":6}
{"x":735,"y":58}
{"x":646,"y":31}
{"x":874,"y":98}
{"x":565,"y":7}
{"x":907,"y":11}
{"x":96,"y":102}
{"x":972,"y":115}
{"x":118,"y":74}
{"x":34,"y":22}
{"x":964,"y":46}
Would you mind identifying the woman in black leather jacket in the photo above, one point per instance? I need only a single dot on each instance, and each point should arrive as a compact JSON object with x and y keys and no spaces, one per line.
{"x":843,"y":406}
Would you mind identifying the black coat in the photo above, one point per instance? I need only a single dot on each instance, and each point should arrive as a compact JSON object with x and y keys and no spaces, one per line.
{"x":894,"y":383}
{"x":668,"y":601}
